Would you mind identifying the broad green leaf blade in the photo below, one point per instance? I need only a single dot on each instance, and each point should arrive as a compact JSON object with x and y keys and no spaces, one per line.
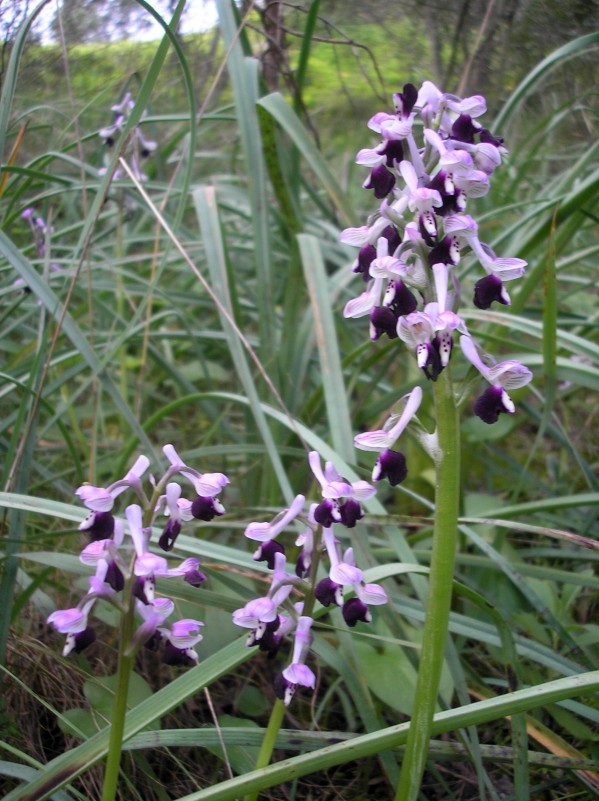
{"x":335,"y":394}
{"x":207,"y":213}
{"x":63,"y":769}
{"x":278,"y":108}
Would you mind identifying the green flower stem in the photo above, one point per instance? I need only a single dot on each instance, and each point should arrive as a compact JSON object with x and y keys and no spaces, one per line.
{"x":119,"y":708}
{"x":447,"y":496}
{"x":278,"y":711}
{"x":268,"y":743}
{"x":127,"y":651}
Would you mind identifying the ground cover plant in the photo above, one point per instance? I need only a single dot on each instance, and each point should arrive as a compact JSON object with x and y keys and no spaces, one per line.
{"x":253,"y":546}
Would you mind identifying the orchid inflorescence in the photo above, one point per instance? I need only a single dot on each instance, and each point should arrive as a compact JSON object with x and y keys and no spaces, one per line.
{"x":40,"y":230}
{"x":411,"y":246}
{"x":271,"y":617}
{"x":118,"y":566}
{"x":140,"y":147}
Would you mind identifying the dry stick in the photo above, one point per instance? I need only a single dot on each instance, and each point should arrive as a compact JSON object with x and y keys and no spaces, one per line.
{"x":479,"y":36}
{"x":218,"y":731}
{"x":219,"y":305}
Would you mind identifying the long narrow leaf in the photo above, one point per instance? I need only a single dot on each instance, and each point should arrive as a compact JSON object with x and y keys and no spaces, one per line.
{"x":335,"y":394}
{"x":207,"y":213}
{"x":45,"y":294}
{"x":369,"y":744}
{"x":534,"y":78}
{"x":279,"y":109}
{"x":244,"y":80}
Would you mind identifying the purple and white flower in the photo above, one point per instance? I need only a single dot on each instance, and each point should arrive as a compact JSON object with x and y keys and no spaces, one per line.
{"x":390,"y":464}
{"x":502,"y":376}
{"x":101,"y":499}
{"x":335,"y":488}
{"x":297,"y":673}
{"x":120,"y":569}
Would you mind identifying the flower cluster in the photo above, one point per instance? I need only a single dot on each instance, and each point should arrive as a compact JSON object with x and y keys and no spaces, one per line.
{"x":39,"y":230}
{"x":271,"y":617}
{"x":140,"y":147}
{"x":117,"y":566}
{"x":411,"y":247}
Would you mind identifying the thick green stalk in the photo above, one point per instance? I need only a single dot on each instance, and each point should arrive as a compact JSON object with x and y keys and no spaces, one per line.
{"x":119,"y":708}
{"x":127,"y":650}
{"x":270,"y":737}
{"x":447,"y":494}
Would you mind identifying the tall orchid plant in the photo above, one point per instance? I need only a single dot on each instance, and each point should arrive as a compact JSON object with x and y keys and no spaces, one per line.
{"x":434,"y":157}
{"x":126,"y":570}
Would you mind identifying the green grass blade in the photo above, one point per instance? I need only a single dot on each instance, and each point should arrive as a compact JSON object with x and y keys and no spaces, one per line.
{"x":335,"y":394}
{"x":279,"y":109}
{"x":244,"y":79}
{"x":369,"y":744}
{"x":302,"y":62}
{"x":566,"y":215}
{"x":63,"y":769}
{"x":207,"y":213}
{"x":546,"y":505}
{"x":311,"y":440}
{"x":9,"y":79}
{"x":45,"y":294}
{"x":534,"y":78}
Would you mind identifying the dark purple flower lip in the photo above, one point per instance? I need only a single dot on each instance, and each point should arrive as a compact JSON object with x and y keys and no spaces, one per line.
{"x":493,"y":402}
{"x":490,"y":289}
{"x":381,"y":180}
{"x":392,"y":466}
{"x":354,"y":610}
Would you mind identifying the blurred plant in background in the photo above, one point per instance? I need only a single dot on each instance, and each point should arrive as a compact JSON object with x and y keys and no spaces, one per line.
{"x":210,"y":315}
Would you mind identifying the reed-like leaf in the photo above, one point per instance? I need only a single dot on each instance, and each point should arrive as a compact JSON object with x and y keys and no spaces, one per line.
{"x":284,"y":115}
{"x":338,"y":413}
{"x":369,"y":744}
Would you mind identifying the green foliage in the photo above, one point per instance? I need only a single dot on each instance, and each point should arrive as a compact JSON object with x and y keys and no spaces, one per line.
{"x":99,"y":693}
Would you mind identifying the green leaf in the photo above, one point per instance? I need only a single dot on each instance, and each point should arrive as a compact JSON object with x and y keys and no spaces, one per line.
{"x":335,"y":393}
{"x":390,"y":675}
{"x":66,"y":767}
{"x":532,"y":81}
{"x":278,"y":108}
{"x":369,"y":744}
{"x":54,"y":306}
